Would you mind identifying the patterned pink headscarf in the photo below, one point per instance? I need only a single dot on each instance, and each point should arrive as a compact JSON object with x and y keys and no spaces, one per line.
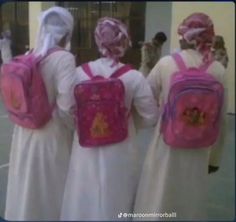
{"x":112,"y":38}
{"x":198,"y":29}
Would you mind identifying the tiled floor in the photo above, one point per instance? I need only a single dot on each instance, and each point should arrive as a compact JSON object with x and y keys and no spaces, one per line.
{"x":221,"y":203}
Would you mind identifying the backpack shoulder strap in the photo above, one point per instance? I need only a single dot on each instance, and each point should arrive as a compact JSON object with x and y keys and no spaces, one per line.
{"x":52,"y":50}
{"x":49,"y":52}
{"x":205,"y":66}
{"x":179,"y":61}
{"x":87,"y":70}
{"x":122,"y":70}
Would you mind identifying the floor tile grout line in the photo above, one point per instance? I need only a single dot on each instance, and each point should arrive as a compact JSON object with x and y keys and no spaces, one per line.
{"x":4,"y":165}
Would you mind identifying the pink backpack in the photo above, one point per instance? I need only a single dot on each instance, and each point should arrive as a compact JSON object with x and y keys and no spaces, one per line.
{"x":193,"y":111}
{"x":24,"y":93}
{"x":101,"y":115}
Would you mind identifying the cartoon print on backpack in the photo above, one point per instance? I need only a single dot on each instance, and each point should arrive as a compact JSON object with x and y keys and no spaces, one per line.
{"x":100,"y":127}
{"x":194,"y":116}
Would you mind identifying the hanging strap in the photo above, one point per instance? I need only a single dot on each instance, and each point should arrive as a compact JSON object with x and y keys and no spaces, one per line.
{"x":87,"y":70}
{"x":179,"y":61}
{"x":119,"y":72}
{"x":181,"y":65}
{"x":122,"y":70}
{"x":205,"y":66}
{"x":50,"y":51}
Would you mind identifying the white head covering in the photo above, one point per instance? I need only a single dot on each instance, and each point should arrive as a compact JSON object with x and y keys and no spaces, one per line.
{"x":55,"y":23}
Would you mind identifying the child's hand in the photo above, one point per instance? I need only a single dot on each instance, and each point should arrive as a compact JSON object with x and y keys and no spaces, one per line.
{"x":212,"y":169}
{"x":6,"y":34}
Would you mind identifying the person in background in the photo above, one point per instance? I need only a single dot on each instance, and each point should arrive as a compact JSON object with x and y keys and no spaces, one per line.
{"x":219,"y":51}
{"x":39,"y":158}
{"x":102,"y":180}
{"x":174,"y":179}
{"x":5,"y":46}
{"x":151,"y":53}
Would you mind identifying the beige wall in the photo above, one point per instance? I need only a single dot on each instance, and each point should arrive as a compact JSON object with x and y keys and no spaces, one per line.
{"x":35,"y":9}
{"x":223,"y":16}
{"x":46,"y":5}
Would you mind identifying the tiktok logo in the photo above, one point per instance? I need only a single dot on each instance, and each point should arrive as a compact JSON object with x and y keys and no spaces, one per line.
{"x":119,"y":215}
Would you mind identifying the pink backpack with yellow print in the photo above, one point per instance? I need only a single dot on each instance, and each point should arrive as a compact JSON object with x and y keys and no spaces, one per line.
{"x":24,"y":93}
{"x":192,"y":114}
{"x":101,"y":115}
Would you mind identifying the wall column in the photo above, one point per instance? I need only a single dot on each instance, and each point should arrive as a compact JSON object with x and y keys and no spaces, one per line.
{"x":35,"y":8}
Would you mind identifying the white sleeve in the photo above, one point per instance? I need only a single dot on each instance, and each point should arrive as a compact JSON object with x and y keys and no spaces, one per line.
{"x":154,"y":80}
{"x":65,"y":83}
{"x":145,"y":103}
{"x":5,"y":47}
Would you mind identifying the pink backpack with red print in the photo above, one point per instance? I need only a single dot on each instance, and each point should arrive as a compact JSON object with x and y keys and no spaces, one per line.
{"x":193,"y":111}
{"x":24,"y":93}
{"x":101,"y":115}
